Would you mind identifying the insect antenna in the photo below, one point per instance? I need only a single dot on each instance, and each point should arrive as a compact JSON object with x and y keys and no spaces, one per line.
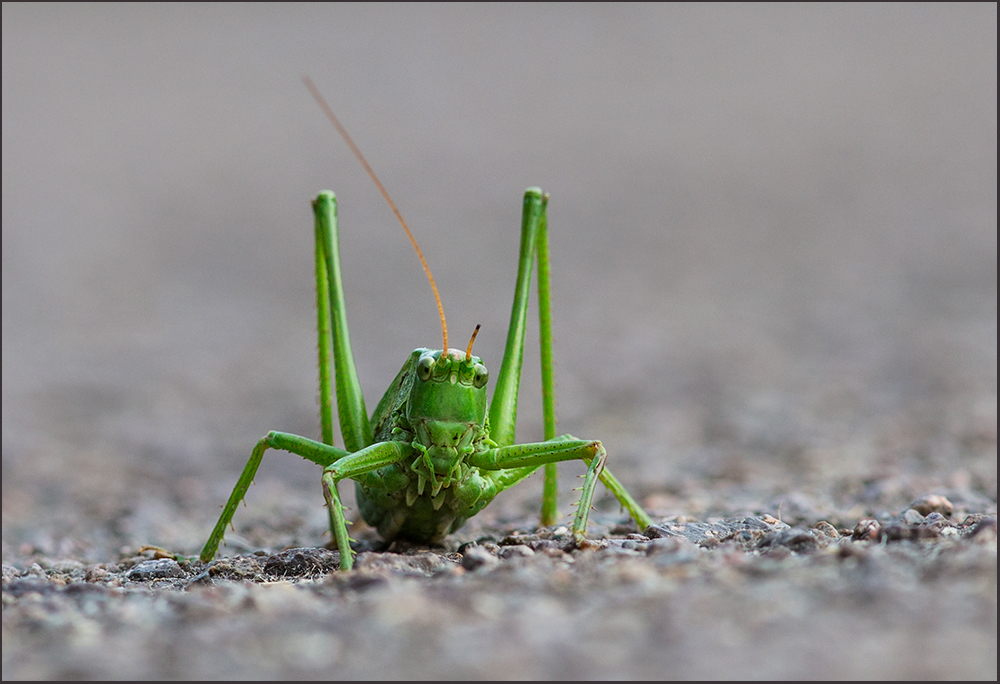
{"x":468,"y":351}
{"x":314,"y":91}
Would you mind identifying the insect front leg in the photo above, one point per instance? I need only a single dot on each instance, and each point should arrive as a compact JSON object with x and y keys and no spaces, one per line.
{"x":316,"y":452}
{"x":367,"y":460}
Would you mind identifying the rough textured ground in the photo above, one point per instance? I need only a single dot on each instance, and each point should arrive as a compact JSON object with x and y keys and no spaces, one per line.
{"x":915,"y":597}
{"x":774,"y":262}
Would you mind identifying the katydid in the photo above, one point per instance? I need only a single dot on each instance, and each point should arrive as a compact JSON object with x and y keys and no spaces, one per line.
{"x":434,"y":452}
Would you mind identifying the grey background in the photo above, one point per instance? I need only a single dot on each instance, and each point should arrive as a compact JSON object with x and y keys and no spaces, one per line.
{"x":773,"y":232}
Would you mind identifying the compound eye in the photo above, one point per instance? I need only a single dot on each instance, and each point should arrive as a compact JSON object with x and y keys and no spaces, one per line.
{"x":424,"y":368}
{"x":480,"y":376}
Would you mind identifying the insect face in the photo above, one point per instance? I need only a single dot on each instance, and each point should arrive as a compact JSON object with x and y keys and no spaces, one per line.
{"x":449,"y":387}
{"x":447,"y":406}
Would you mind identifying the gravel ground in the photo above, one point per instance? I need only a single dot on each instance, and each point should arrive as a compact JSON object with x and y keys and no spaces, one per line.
{"x":774,"y":250}
{"x":914,"y":598}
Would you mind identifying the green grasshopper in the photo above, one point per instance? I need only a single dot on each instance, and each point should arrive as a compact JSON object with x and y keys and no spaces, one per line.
{"x":434,"y":452}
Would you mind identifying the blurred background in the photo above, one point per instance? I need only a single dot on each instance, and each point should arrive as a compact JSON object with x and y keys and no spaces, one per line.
{"x":773,"y":234}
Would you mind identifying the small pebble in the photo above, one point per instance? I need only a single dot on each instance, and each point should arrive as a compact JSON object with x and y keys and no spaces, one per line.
{"x":912,"y":516}
{"x":68,"y":567}
{"x":476,"y":557}
{"x":155,"y":569}
{"x":985,"y":530}
{"x":933,"y":503}
{"x":827,"y":529}
{"x":516,"y":551}
{"x":302,"y":562}
{"x":866,"y":529}
{"x":934,"y":518}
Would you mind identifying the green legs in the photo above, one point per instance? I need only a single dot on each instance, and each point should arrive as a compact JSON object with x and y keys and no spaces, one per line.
{"x":336,"y":359}
{"x":446,"y":426}
{"x":367,"y":460}
{"x":338,"y":464}
{"x":354,"y":424}
{"x":321,"y":454}
{"x":503,"y":407}
{"x":517,"y":461}
{"x":334,"y":336}
{"x":551,"y":489}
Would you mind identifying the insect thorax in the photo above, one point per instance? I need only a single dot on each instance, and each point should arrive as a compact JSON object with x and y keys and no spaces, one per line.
{"x":439,"y":413}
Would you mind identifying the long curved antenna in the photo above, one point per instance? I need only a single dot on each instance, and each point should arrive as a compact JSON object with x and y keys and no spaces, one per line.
{"x":314,"y":91}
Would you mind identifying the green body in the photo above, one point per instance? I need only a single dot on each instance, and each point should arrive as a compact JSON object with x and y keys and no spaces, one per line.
{"x":435,"y":452}
{"x":433,"y":490}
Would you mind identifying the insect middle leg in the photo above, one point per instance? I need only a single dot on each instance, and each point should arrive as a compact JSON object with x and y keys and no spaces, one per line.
{"x":318,"y":453}
{"x":338,"y":464}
